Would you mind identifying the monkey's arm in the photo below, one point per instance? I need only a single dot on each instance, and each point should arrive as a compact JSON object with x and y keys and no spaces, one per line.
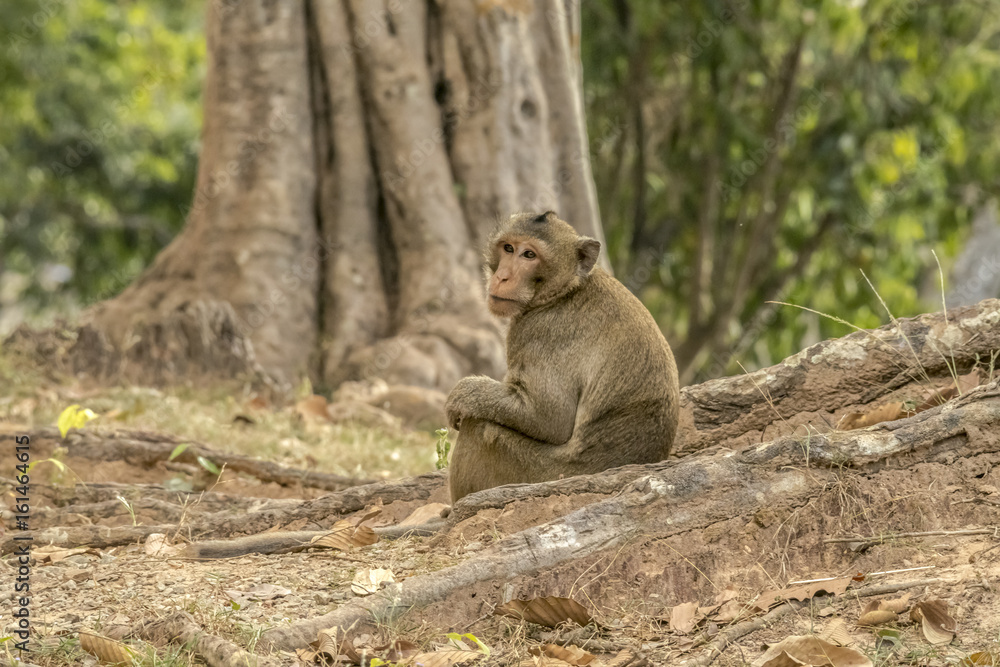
{"x":547,"y":414}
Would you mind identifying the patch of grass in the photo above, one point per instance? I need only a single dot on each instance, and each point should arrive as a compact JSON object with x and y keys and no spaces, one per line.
{"x":206,"y":415}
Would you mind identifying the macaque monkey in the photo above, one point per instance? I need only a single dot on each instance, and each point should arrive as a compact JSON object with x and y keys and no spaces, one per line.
{"x":591,"y":383}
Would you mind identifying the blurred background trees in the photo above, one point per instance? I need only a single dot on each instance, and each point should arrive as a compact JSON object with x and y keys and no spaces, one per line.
{"x":743,"y":152}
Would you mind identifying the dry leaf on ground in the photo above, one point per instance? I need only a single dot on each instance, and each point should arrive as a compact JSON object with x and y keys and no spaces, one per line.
{"x":572,"y":655}
{"x":107,"y":650}
{"x":370,"y":580}
{"x":684,"y":617}
{"x":543,"y":661}
{"x":877,"y":617}
{"x":312,"y":407}
{"x":345,"y":536}
{"x":547,"y":611}
{"x":884,"y":413}
{"x":898,"y":605}
{"x":423,"y":514}
{"x":156,"y":544}
{"x":55,"y":554}
{"x":981,"y":659}
{"x":937,"y":624}
{"x":444,"y":658}
{"x":836,"y":632}
{"x":898,"y":410}
{"x":770,"y":598}
{"x":802,"y":650}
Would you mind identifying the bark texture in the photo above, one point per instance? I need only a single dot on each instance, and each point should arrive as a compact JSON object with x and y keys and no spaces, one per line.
{"x":355,"y":155}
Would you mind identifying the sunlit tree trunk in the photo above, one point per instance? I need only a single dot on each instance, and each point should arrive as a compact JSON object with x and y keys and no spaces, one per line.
{"x":355,"y":155}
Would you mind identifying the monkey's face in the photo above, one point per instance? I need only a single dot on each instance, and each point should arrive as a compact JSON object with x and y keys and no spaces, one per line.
{"x":516,"y":268}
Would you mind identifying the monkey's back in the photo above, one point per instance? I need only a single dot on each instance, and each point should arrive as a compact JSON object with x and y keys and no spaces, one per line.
{"x":611,"y":354}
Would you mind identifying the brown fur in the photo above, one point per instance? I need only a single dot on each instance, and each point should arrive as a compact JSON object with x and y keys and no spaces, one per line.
{"x":591,"y":383}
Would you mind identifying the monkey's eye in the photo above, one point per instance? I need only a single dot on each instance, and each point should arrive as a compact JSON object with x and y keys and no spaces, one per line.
{"x":508,"y":247}
{"x":529,"y":254}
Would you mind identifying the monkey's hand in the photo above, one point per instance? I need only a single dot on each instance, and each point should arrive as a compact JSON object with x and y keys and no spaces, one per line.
{"x":465,"y":397}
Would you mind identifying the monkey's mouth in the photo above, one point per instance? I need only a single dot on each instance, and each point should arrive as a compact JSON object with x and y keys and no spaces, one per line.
{"x":500,"y":298}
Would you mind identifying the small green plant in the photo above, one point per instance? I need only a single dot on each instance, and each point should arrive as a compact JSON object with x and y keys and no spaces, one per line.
{"x":209,"y":465}
{"x":178,"y":450}
{"x":128,"y":506}
{"x":443,"y":448}
{"x":74,"y":417}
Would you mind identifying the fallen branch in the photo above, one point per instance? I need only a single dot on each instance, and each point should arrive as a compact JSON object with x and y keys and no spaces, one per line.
{"x":147,"y":449}
{"x":321,"y":512}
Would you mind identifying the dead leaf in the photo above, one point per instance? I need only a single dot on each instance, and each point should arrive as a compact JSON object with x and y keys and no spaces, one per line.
{"x":157,"y":545}
{"x":399,"y":650}
{"x":877,"y":617}
{"x":547,"y":611}
{"x":725,"y":595}
{"x":981,"y":659}
{"x":423,"y":514}
{"x":684,"y":617}
{"x":571,"y":655}
{"x":899,"y":605}
{"x":543,"y":661}
{"x":370,"y":580}
{"x":312,"y":408}
{"x":770,"y":598}
{"x":106,"y":650}
{"x":623,"y":659}
{"x":54,"y":554}
{"x":730,"y":611}
{"x":345,"y":536}
{"x":370,"y":512}
{"x":801,"y":650}
{"x":884,"y":413}
{"x":444,"y":658}
{"x":335,"y":642}
{"x":836,"y":632}
{"x":938,"y":626}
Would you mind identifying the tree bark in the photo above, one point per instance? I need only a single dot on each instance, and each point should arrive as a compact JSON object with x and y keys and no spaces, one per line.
{"x":355,"y":155}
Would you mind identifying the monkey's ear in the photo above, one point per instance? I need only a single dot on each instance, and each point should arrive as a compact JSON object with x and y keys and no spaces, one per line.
{"x":548,"y":216}
{"x":587,"y":250}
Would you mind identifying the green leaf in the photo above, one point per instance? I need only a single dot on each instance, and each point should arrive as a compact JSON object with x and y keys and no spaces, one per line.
{"x":209,"y":466}
{"x":457,"y":639}
{"x":74,"y":417}
{"x":178,"y":450}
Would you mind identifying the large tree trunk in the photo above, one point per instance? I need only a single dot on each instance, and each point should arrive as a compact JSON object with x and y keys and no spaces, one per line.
{"x":355,"y":155}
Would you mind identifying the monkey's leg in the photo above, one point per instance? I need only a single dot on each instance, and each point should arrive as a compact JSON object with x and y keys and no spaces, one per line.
{"x":488,"y":455}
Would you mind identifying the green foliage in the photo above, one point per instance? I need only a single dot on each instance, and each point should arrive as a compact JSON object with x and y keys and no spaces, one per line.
{"x":443,"y":447}
{"x":98,"y":142}
{"x":74,"y":417}
{"x":754,"y":151}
